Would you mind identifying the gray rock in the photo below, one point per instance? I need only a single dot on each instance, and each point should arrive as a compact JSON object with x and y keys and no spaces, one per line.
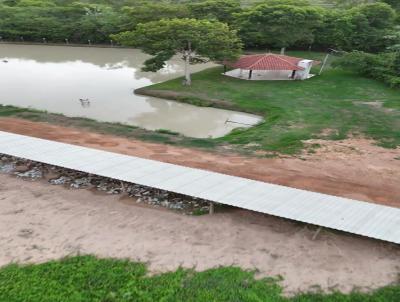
{"x":6,"y":167}
{"x":33,"y":174}
{"x":60,"y":180}
{"x":142,"y":194}
{"x":80,"y":183}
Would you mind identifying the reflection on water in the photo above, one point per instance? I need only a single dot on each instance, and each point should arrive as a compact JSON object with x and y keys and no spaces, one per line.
{"x":98,"y":83}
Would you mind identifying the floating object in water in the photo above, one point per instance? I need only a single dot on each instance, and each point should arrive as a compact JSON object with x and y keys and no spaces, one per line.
{"x":84,"y":102}
{"x":229,"y":121}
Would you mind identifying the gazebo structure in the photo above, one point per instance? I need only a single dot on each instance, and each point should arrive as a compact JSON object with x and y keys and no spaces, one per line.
{"x":270,"y":66}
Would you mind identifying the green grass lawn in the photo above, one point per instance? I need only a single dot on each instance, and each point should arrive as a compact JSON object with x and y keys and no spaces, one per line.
{"x":339,"y":101}
{"x":87,"y":279}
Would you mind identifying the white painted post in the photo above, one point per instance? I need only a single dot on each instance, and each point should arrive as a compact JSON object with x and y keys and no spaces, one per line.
{"x":324,"y":63}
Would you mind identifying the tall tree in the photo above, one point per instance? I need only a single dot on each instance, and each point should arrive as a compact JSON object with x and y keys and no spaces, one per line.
{"x":96,"y":23}
{"x":221,"y":10}
{"x":368,"y":27}
{"x":394,"y":3}
{"x":279,"y":25}
{"x":393,"y":39}
{"x":196,"y":41}
{"x":146,"y":11}
{"x":396,"y":63}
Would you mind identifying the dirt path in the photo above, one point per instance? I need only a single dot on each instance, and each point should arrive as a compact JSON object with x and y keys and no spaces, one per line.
{"x":39,"y":222}
{"x":352,"y":168}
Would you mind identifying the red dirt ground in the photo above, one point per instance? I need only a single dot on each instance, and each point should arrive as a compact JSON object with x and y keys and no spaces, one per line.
{"x":353,"y":168}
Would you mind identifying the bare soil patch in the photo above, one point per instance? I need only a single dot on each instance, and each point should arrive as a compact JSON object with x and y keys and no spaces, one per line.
{"x":354,"y":168}
{"x":39,"y":222}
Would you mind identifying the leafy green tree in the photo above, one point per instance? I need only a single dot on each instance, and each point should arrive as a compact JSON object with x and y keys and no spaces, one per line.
{"x":221,"y":10}
{"x":393,"y":39}
{"x":195,"y":40}
{"x":78,"y":22}
{"x":96,"y":22}
{"x":370,"y":23}
{"x":283,"y":2}
{"x":383,"y":66}
{"x":38,"y":3}
{"x":394,"y":3}
{"x":366,"y":27}
{"x":9,"y":2}
{"x":279,"y":25}
{"x":333,"y":29}
{"x":32,"y":23}
{"x":396,"y":63}
{"x":349,"y":3}
{"x":267,"y":23}
{"x":353,"y":3}
{"x":148,"y":11}
{"x":378,"y":15}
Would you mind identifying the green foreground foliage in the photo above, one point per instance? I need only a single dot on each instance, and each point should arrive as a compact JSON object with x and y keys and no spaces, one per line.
{"x":86,"y":278}
{"x":334,"y":105}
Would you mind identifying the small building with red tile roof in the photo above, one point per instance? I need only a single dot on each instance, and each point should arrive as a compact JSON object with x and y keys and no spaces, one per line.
{"x":270,"y":66}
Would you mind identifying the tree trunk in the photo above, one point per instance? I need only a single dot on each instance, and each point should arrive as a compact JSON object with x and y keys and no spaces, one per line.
{"x":283,"y":50}
{"x":188,"y":53}
{"x":188,"y":80}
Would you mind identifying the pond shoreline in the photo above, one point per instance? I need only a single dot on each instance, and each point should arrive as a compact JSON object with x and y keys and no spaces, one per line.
{"x":117,"y":129}
{"x":193,"y":99}
{"x":99,"y":83}
{"x":65,"y":44}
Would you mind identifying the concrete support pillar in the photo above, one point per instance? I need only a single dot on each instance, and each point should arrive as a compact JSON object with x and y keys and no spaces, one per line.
{"x":123,"y":187}
{"x":211,"y":211}
{"x":316,"y":233}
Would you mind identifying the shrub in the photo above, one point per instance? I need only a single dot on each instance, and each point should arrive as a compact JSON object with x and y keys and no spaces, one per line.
{"x":383,"y":66}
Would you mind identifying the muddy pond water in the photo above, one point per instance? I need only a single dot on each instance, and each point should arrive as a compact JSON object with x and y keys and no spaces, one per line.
{"x":98,"y":83}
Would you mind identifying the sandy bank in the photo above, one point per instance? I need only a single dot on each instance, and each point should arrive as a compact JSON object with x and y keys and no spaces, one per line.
{"x":41,"y":222}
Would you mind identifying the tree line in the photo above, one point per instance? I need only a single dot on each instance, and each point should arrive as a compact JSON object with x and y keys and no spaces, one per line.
{"x":264,"y":24}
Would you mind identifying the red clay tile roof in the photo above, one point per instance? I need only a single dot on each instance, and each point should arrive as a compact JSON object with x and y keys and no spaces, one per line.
{"x":268,"y":61}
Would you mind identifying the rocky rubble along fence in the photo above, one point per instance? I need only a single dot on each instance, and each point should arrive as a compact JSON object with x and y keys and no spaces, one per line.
{"x":30,"y":170}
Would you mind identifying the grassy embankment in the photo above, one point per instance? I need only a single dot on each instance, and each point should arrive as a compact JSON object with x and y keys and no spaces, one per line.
{"x":117,"y":129}
{"x":294,"y":111}
{"x":86,"y":278}
{"x":338,"y":100}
